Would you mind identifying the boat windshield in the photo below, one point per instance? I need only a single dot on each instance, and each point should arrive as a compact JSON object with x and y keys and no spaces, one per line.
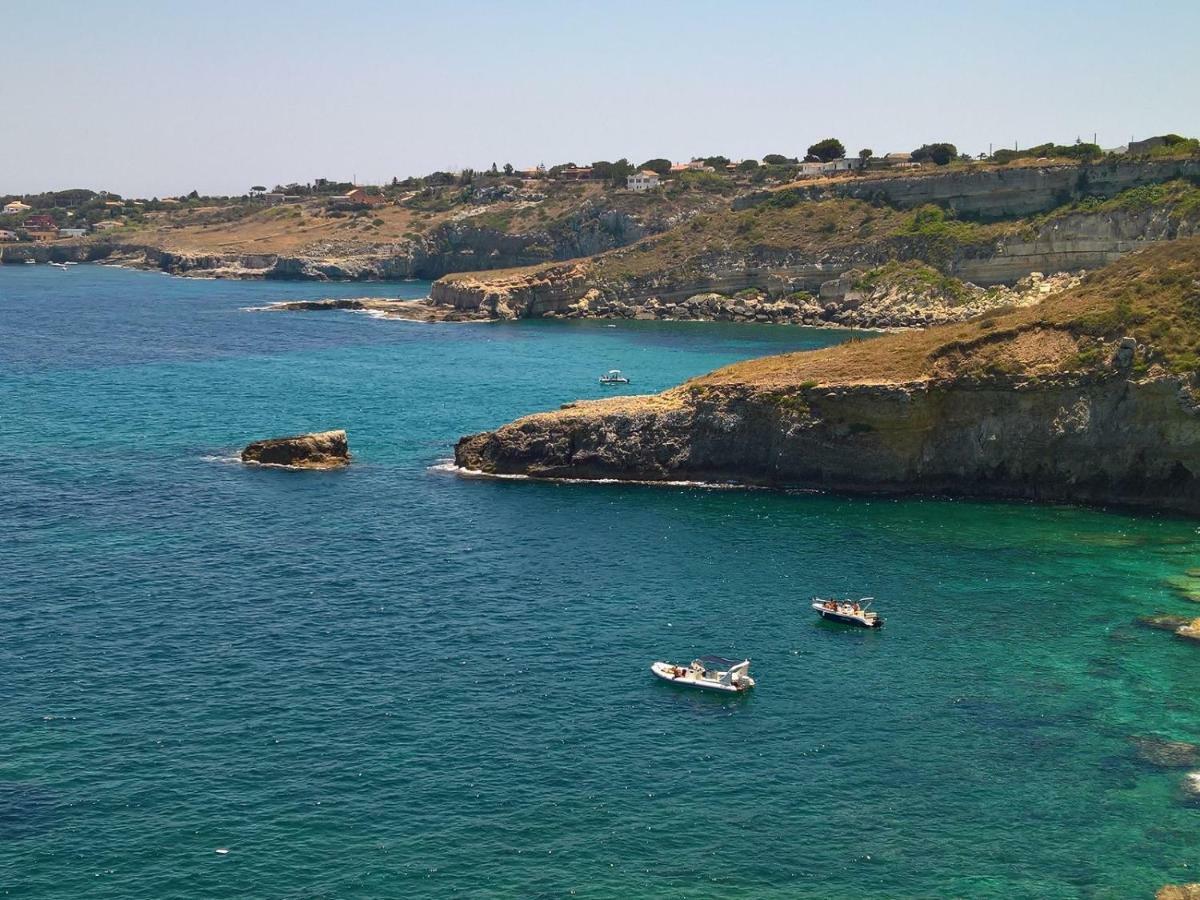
{"x":718,"y":662}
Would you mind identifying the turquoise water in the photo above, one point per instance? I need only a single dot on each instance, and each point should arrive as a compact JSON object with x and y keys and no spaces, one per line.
{"x":391,"y":682}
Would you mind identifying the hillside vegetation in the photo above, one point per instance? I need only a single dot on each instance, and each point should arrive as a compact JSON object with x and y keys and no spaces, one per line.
{"x":1152,"y":296}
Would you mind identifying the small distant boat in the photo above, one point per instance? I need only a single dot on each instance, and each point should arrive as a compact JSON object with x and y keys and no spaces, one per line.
{"x":59,"y":265}
{"x":31,"y":262}
{"x":851,"y":612}
{"x":708,"y":673}
{"x":614,"y":376}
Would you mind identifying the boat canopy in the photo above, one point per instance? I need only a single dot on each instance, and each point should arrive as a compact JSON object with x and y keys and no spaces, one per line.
{"x":719,"y":662}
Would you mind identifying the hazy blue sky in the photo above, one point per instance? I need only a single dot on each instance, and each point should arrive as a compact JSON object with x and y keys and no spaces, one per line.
{"x":158,"y":98}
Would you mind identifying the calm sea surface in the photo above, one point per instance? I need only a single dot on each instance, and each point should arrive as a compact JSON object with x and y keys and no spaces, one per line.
{"x":391,"y":682}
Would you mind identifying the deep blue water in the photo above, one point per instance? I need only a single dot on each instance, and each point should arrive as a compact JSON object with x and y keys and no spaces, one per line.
{"x":392,"y":682}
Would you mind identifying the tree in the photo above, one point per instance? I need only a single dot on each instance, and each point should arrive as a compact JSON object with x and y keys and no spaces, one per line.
{"x":494,"y":170}
{"x":621,"y":170}
{"x":602,"y":169}
{"x":865,"y":153}
{"x":748,"y":165}
{"x":194,"y":195}
{"x":258,"y":189}
{"x":777,"y":159}
{"x":717,"y":162}
{"x":1083,"y":151}
{"x":826,"y":150}
{"x":508,"y":168}
{"x":661,"y":166}
{"x":938,"y":154}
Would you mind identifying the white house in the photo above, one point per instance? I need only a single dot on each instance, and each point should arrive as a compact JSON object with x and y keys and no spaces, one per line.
{"x":644,"y":180}
{"x":841,"y":165}
{"x":6,"y":235}
{"x":72,"y":232}
{"x":16,"y":208}
{"x":107,"y":224}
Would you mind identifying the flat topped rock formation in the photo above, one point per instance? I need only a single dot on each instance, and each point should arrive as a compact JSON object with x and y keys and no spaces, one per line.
{"x":320,"y":450}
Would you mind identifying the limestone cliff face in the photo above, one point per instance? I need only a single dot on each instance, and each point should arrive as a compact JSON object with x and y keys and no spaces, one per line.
{"x":1113,"y":440}
{"x":1078,"y":240}
{"x":460,"y":246}
{"x":1066,"y":243}
{"x":997,"y":193}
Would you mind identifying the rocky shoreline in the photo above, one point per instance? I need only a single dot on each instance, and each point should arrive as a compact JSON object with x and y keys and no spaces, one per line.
{"x":1053,"y":402}
{"x":1072,"y":243}
{"x":1047,"y":440}
{"x":846,"y":302}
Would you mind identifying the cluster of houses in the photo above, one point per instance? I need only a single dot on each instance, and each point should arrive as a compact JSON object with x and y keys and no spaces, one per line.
{"x":41,"y":227}
{"x":646,"y":180}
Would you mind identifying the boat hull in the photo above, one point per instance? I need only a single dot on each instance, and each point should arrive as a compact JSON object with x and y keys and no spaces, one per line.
{"x":665,"y":671}
{"x":845,"y":619}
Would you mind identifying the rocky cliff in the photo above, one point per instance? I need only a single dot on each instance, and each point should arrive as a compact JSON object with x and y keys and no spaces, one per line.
{"x":783,"y":252}
{"x":1090,"y":396}
{"x":460,"y":245}
{"x":993,"y":192}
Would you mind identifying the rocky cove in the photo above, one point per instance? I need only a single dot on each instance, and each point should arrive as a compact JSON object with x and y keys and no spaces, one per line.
{"x":1052,"y":402}
{"x":826,"y":286}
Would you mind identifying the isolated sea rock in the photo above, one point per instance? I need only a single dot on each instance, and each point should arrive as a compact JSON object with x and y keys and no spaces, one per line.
{"x":1178,"y":892}
{"x":320,"y":450}
{"x":319,"y":305}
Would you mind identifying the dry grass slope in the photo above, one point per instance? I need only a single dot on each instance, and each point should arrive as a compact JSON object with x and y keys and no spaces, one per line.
{"x":1153,"y":296}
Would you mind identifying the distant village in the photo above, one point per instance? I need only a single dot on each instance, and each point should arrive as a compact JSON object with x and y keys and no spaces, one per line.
{"x":76,"y":213}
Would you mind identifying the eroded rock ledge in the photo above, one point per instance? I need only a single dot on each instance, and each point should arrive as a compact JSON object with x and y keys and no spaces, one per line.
{"x":1071,"y":438}
{"x":412,"y":310}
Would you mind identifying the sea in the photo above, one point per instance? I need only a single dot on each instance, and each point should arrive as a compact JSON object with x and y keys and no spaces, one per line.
{"x":393,"y":681}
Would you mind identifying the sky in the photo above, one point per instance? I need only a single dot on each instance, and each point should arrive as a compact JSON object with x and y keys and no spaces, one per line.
{"x":160,"y":98}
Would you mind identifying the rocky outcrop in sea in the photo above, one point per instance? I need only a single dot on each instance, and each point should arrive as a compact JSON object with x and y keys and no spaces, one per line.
{"x":319,"y":450}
